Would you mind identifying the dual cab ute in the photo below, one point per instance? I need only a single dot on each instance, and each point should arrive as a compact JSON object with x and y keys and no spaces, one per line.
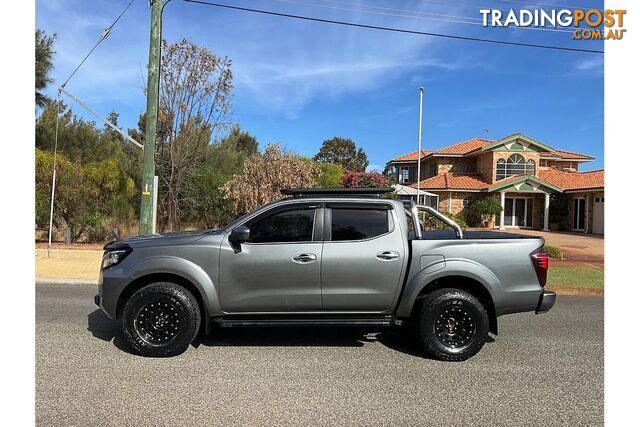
{"x":325,"y":257}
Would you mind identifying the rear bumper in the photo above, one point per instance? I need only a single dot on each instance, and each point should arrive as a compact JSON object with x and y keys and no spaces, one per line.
{"x":547,"y":300}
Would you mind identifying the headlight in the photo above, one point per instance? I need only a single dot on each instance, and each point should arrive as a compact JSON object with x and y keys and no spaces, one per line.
{"x":111,"y":258}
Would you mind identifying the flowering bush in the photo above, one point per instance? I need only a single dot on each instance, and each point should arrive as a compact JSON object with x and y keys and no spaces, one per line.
{"x":365,"y":180}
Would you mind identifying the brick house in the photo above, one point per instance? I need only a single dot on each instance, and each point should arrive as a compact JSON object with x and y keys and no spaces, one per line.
{"x":539,"y":187}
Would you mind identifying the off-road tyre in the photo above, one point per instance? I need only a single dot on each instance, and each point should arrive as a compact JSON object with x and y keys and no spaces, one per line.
{"x":161,"y":320}
{"x":451,"y":325}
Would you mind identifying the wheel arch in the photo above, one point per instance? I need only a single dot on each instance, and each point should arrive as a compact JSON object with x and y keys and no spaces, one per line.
{"x":464,"y":283}
{"x":146,"y":279}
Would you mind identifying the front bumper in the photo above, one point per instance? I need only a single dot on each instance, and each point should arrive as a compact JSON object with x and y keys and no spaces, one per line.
{"x":546,"y":302}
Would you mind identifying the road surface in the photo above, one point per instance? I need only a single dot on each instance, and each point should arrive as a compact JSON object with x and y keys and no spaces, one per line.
{"x":545,"y":369}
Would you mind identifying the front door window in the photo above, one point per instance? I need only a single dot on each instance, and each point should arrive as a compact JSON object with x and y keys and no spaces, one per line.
{"x":518,"y":212}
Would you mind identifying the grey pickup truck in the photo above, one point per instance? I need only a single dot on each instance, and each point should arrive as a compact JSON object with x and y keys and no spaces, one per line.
{"x":325,"y":257}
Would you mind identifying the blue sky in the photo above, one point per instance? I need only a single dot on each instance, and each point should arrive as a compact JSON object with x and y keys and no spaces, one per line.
{"x":299,"y":83}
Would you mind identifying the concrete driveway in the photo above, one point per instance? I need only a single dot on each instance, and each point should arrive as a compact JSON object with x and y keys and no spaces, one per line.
{"x":578,"y":248}
{"x":541,"y":370}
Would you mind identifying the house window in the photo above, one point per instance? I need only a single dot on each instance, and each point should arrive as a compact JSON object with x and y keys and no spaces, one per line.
{"x":514,"y":165}
{"x":466,"y":202}
{"x":433,"y":168}
{"x":543,"y":163}
{"x":404,"y":175}
{"x":459,"y":167}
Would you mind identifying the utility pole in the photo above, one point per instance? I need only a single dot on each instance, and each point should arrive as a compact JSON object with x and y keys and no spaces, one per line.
{"x":153,"y":85}
{"x":419,"y":148}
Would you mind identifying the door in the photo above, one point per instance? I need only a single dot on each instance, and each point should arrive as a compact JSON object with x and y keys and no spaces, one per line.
{"x":362,"y":257}
{"x":518,"y":212}
{"x":508,"y":212}
{"x":279,"y":268}
{"x":578,"y":213}
{"x":598,"y":215}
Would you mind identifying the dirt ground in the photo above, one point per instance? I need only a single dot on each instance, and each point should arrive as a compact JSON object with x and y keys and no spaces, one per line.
{"x":68,"y":264}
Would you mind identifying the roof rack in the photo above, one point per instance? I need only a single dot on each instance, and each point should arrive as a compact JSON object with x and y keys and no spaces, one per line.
{"x":336,"y":192}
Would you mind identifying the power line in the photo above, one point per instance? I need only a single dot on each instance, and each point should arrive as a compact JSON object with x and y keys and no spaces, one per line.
{"x":548,"y":4}
{"x":367,"y":6}
{"x":478,"y":7}
{"x":408,"y":14}
{"x":103,"y":37}
{"x":391,"y":29}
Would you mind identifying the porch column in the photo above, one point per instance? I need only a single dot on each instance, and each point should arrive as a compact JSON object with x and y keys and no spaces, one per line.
{"x":547,"y":198}
{"x":586,"y":213}
{"x":502,"y":194}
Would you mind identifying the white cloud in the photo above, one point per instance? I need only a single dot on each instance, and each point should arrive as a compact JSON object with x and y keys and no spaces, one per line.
{"x":594,"y":63}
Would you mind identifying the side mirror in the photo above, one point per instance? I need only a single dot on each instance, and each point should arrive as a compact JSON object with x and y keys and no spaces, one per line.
{"x":240,"y":234}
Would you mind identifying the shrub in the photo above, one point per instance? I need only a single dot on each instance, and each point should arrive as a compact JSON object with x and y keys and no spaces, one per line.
{"x":553,"y":252}
{"x":481,"y":211}
{"x":365,"y":180}
{"x":434,"y":223}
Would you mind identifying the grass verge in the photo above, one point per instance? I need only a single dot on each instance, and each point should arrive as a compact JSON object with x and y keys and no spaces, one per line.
{"x":575,"y":278}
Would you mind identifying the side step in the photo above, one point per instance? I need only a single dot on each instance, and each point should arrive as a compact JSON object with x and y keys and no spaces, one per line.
{"x":304,"y":321}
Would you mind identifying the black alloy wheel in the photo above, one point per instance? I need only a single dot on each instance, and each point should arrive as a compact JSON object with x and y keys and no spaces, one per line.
{"x":161,"y":319}
{"x":159,"y":322}
{"x":452,"y":324}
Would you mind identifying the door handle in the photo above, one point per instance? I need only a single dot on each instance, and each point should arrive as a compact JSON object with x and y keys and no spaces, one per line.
{"x":387,"y":255}
{"x":304,"y":258}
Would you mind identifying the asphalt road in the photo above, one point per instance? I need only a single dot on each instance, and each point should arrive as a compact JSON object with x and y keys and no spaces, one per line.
{"x":545,"y":369}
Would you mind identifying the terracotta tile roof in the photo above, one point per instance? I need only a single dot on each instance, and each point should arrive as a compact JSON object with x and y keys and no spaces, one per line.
{"x":573,"y":180}
{"x":411,"y":156}
{"x":567,"y":155}
{"x":464,"y":147}
{"x":454,"y":181}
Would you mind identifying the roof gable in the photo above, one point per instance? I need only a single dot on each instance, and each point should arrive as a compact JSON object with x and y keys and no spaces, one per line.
{"x":524,"y":184}
{"x":518,"y":142}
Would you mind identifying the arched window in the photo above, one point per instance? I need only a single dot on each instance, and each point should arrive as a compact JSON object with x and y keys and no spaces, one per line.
{"x":514,"y":165}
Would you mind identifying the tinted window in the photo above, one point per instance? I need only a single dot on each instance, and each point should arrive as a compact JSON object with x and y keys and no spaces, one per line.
{"x":358,"y":224}
{"x":294,"y":225}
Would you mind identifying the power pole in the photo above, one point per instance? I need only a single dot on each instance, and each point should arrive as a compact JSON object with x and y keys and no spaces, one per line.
{"x":419,"y":148}
{"x":153,"y":82}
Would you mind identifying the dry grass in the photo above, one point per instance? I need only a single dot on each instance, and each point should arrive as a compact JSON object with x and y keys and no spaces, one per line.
{"x":68,"y":264}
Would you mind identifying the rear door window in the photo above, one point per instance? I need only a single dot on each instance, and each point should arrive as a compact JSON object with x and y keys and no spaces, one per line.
{"x":358,"y":224}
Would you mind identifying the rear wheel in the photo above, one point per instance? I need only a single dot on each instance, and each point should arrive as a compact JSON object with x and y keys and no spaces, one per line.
{"x":452,"y":325}
{"x":161,"y":319}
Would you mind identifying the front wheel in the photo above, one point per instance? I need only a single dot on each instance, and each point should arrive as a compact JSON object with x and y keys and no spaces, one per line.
{"x":452,"y":325}
{"x":161,"y":319}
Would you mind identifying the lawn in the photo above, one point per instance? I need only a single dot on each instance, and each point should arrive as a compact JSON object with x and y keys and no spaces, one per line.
{"x":576,"y":277}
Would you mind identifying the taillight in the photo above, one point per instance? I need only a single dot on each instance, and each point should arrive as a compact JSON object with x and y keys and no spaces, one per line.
{"x":541,"y":265}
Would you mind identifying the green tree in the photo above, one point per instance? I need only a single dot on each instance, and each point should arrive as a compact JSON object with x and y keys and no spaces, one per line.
{"x":44,"y":64}
{"x":195,"y":101}
{"x":240,"y":140}
{"x":86,"y":196}
{"x":330,"y":175}
{"x":78,"y":139}
{"x":205,"y":198}
{"x":342,"y":151}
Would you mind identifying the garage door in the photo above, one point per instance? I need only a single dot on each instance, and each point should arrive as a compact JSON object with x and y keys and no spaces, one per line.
{"x":598,"y":215}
